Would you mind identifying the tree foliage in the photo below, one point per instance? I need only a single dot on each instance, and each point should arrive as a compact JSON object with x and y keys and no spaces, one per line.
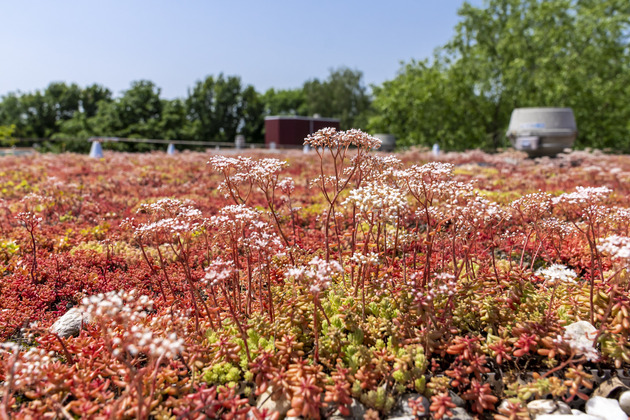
{"x":6,"y":135}
{"x":216,"y":108}
{"x":516,"y":53}
{"x":342,"y":95}
{"x":285,"y":102}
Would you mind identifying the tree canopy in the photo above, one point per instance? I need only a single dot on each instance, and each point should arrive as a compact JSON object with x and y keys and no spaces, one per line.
{"x":516,"y":53}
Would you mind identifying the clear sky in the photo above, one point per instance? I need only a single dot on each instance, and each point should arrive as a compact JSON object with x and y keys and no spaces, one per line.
{"x":273,"y":43}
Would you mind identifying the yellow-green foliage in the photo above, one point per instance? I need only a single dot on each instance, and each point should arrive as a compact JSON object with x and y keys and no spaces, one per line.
{"x":222,"y":373}
{"x":97,"y":232}
{"x":379,"y":400}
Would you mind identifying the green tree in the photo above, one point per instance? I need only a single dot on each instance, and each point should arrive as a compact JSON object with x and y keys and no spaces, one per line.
{"x":11,"y":113}
{"x":174,"y":125}
{"x":424,"y":105}
{"x":342,"y":95}
{"x":6,"y":135}
{"x":518,"y":53}
{"x":40,"y":114}
{"x":90,"y":98}
{"x":80,"y":125}
{"x":285,"y":102}
{"x":220,"y":108}
{"x":253,"y":115}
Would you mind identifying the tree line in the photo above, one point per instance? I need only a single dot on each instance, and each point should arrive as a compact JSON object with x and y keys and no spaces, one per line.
{"x":215,"y":109}
{"x":503,"y":55}
{"x":511,"y":54}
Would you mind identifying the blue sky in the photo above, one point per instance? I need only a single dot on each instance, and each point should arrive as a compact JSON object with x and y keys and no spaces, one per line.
{"x":268,"y":44}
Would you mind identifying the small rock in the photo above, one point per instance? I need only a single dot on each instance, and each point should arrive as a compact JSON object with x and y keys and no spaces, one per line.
{"x":282,"y":405}
{"x":605,"y":409}
{"x":610,"y":388}
{"x":458,"y":414}
{"x":70,"y":323}
{"x":457,"y":400}
{"x":402,"y":409}
{"x":504,"y":404}
{"x":563,"y":408}
{"x":538,"y":407}
{"x":357,"y":409}
{"x":624,"y":402}
{"x":567,"y":417}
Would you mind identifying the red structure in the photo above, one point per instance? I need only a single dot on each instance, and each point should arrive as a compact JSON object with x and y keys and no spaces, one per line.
{"x":285,"y":132}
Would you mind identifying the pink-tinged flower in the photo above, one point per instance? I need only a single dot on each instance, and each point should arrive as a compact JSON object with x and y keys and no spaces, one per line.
{"x":218,"y":271}
{"x":378,"y":199}
{"x":124,"y":318}
{"x":583,"y":195}
{"x":287,"y":186}
{"x":557,"y":273}
{"x":331,"y":138}
{"x":580,"y":336}
{"x":617,"y":247}
{"x":317,"y":274}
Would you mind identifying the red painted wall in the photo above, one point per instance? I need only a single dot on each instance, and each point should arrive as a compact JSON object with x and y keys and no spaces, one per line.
{"x":291,"y":131}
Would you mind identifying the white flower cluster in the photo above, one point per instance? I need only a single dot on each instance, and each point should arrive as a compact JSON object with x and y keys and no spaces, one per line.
{"x":469,"y":211}
{"x":360,"y":258}
{"x":117,"y":304}
{"x":241,"y":169}
{"x":123,"y":316}
{"x":454,"y":192}
{"x":555,"y":225}
{"x":442,"y":285}
{"x":326,"y":137}
{"x":378,"y":199}
{"x":533,"y":206}
{"x":29,"y":364}
{"x":581,"y":344}
{"x":168,"y":207}
{"x":333,"y":139}
{"x":620,"y":215}
{"x":138,"y":338}
{"x":28,"y":219}
{"x":583,"y":195}
{"x":617,"y":247}
{"x":378,"y":168}
{"x":360,"y":139}
{"x":222,"y":163}
{"x":557,"y":273}
{"x":173,"y":226}
{"x":426,"y":173}
{"x":318,"y":274}
{"x":237,"y":217}
{"x":459,"y":203}
{"x":263,"y":169}
{"x":169,"y":216}
{"x":264,"y":241}
{"x":287,"y":185}
{"x":218,"y":271}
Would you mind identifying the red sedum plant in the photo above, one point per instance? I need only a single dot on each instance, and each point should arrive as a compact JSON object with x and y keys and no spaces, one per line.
{"x":210,"y":284}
